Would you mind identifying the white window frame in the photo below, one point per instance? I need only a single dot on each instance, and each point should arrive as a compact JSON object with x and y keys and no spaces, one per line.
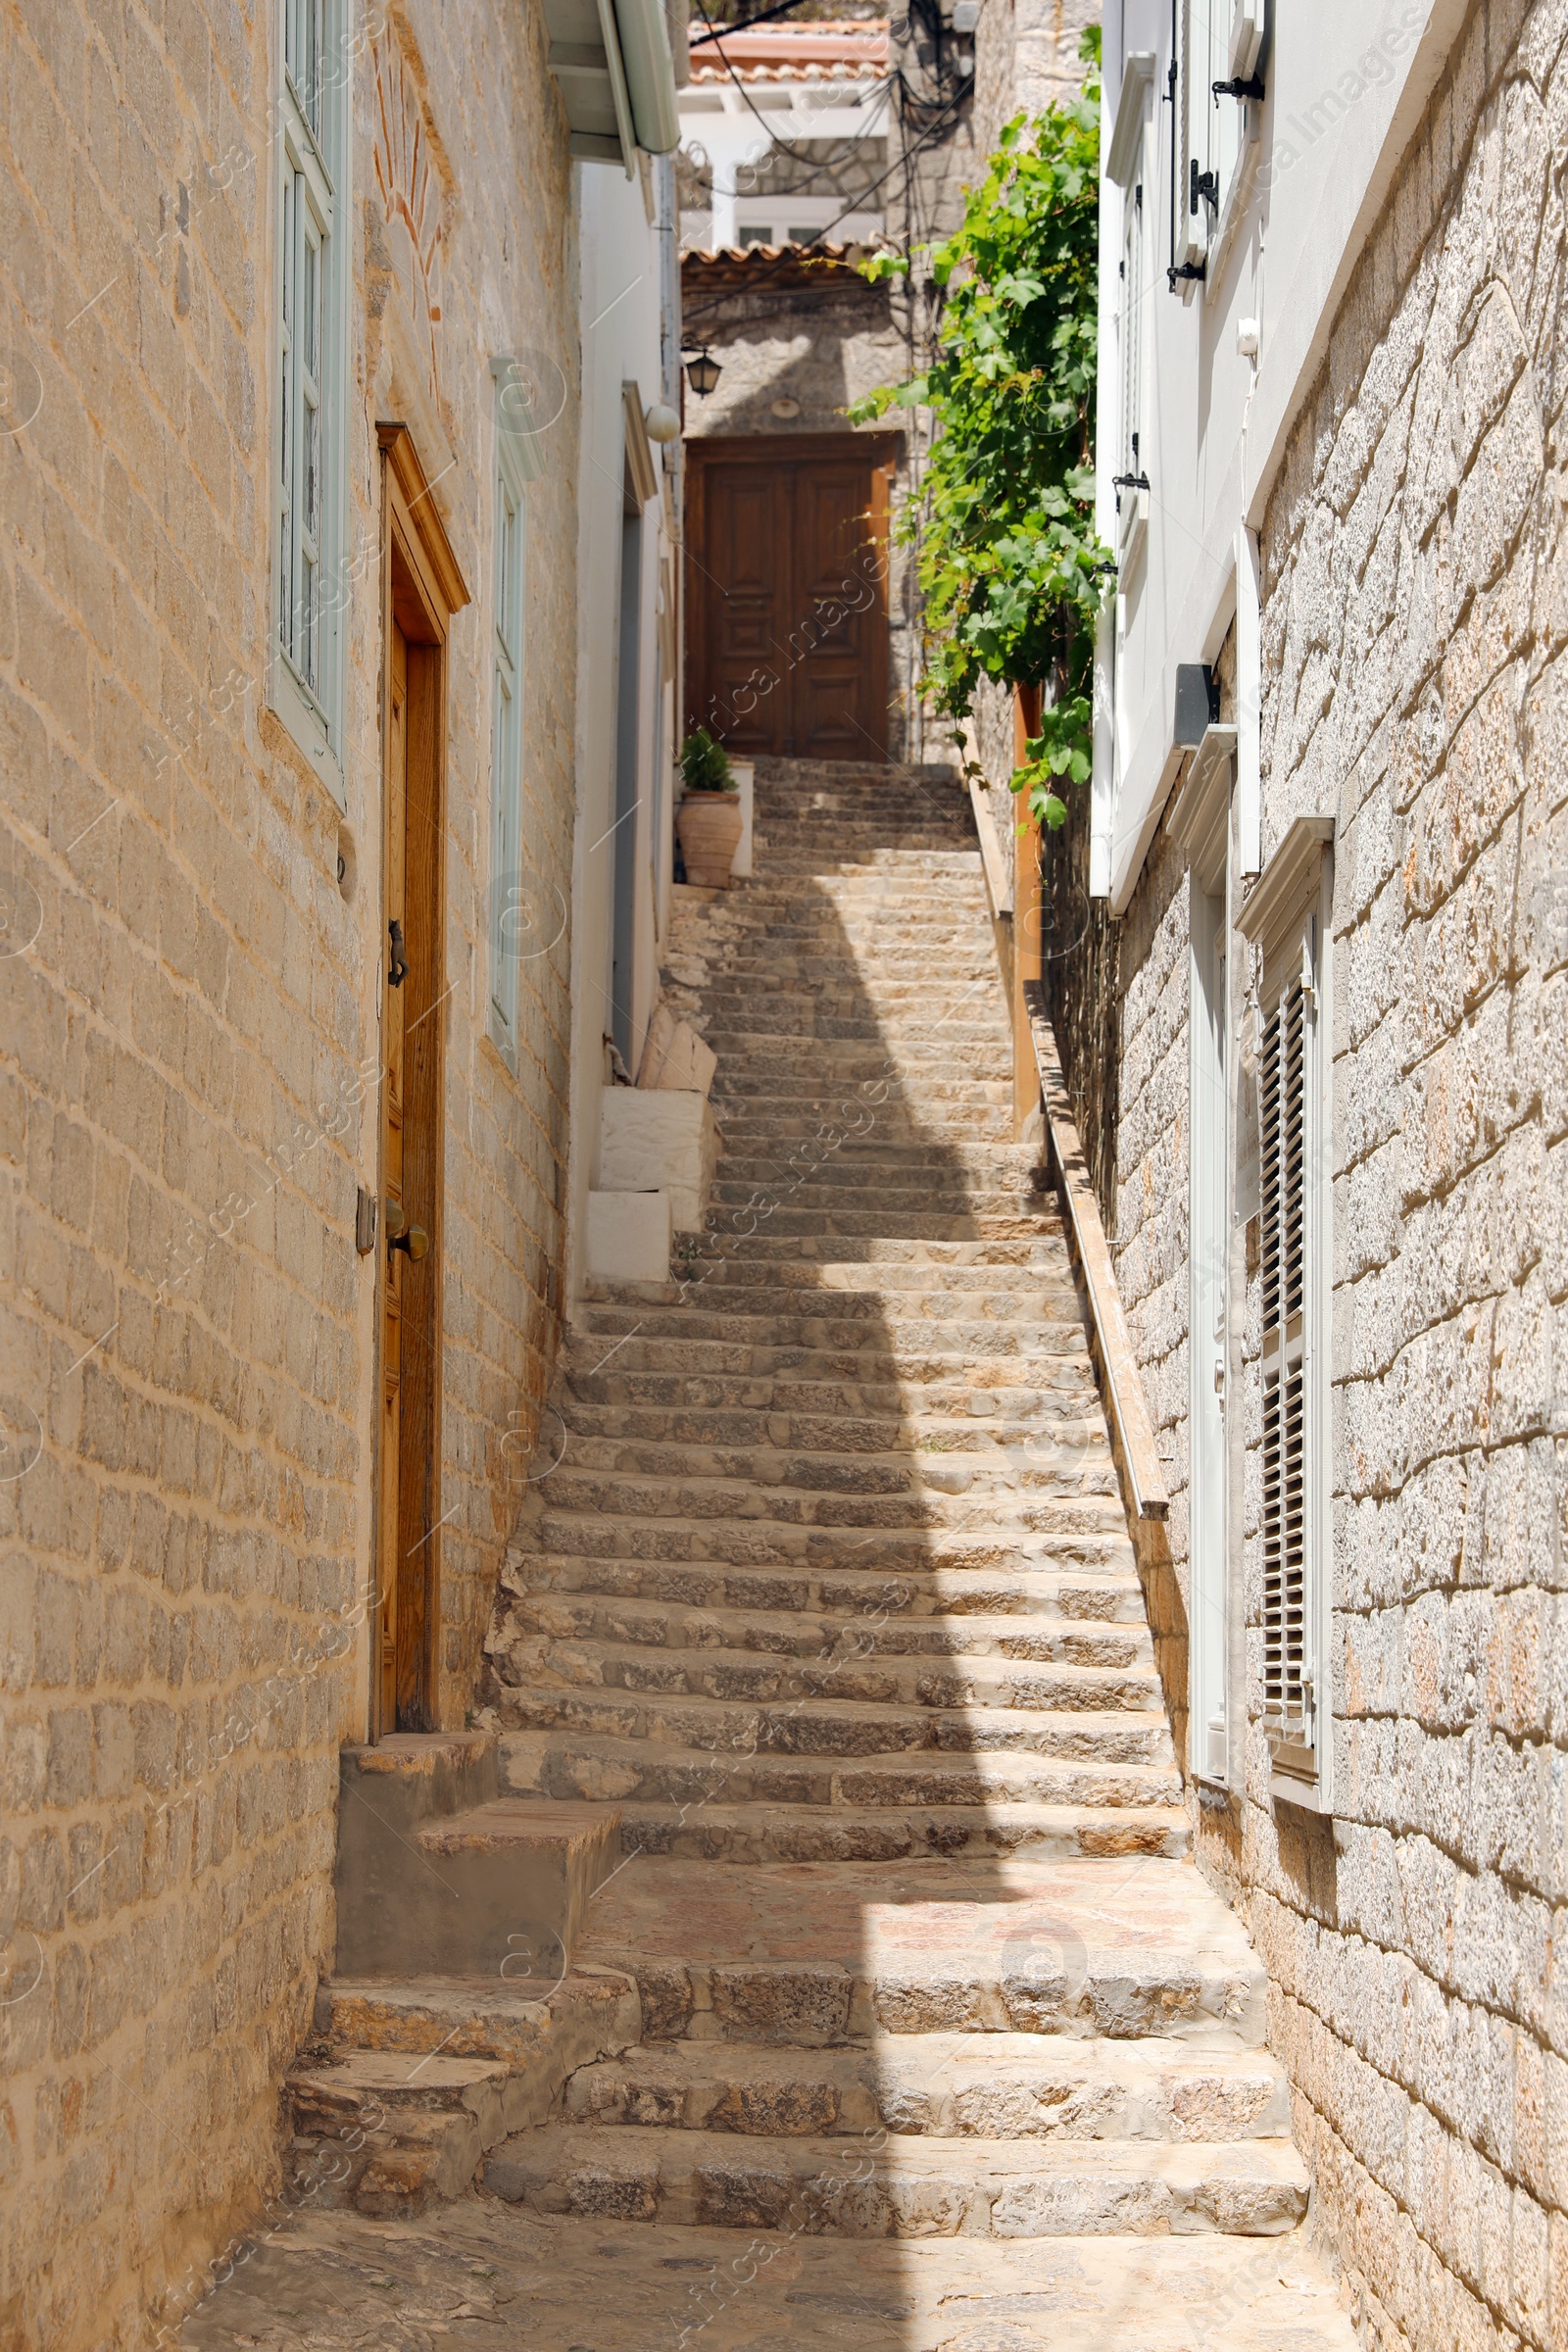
{"x":1223,"y":43}
{"x":1289,"y":916}
{"x":768,"y":218}
{"x":1201,"y":824}
{"x":1125,"y":166}
{"x":310,"y":198}
{"x":516,"y":464}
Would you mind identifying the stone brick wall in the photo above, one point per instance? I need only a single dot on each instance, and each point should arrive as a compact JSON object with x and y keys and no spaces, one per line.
{"x":1147,"y":966}
{"x":1415,"y":628}
{"x":188,"y":1054}
{"x":1025,"y":57}
{"x":1413,"y":552}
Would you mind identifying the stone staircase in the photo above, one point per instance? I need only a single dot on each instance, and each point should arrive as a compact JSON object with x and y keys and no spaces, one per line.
{"x":822,"y":1607}
{"x":825,"y":1583}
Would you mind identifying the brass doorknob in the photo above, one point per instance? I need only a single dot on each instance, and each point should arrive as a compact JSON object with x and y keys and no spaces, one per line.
{"x":401,"y":1235}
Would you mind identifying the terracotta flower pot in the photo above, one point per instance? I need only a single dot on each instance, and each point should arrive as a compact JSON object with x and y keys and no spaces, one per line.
{"x":708,"y":826}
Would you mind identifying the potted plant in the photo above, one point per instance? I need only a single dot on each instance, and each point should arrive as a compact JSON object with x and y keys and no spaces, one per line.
{"x":708,"y":822}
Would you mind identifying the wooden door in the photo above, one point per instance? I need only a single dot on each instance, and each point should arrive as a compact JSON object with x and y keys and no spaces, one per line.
{"x":786,"y":592}
{"x":421,"y":588}
{"x":393,"y":1209}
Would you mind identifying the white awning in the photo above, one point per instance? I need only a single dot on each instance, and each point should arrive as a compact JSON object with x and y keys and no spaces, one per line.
{"x":612,"y":61}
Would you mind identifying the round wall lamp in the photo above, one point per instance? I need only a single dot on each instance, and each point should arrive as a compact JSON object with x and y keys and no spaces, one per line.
{"x":702,"y":371}
{"x":661,"y":424}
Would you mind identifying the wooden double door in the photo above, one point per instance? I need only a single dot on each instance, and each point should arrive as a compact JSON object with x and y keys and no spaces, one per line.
{"x":786,"y":593}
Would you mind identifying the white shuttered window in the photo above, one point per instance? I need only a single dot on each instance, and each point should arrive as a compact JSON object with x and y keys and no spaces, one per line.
{"x":1222,"y":43}
{"x":515,"y":914}
{"x":1295,"y":1196}
{"x":506,"y":764}
{"x":311,"y":147}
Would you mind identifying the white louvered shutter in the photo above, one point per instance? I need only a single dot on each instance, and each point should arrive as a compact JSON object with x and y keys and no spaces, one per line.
{"x":1288,"y":1141}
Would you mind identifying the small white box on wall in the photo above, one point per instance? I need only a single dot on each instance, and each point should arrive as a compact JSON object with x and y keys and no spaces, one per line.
{"x":651,"y":1136}
{"x":628,"y":1237}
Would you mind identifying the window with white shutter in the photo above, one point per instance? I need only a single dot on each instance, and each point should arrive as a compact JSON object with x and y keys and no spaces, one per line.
{"x":1221,"y":57}
{"x":1191,"y":227}
{"x":1290,"y":1665}
{"x":1288,"y":916}
{"x":309,"y":385}
{"x":513,"y":914}
{"x":1125,"y":171}
{"x":1131,"y":495}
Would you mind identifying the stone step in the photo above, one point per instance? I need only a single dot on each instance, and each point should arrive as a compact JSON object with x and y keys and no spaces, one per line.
{"x":860,"y":1157}
{"x":544,"y":2025}
{"x":858,"y":1294}
{"x":460,"y":1894}
{"x":739,"y":1091}
{"x":941,"y":1409}
{"x":756,"y":1833}
{"x":407,"y":2083}
{"x":980,"y":1224}
{"x":1042,"y":1252}
{"x":906,"y":2186}
{"x":945,"y":1126}
{"x":855,"y":1596}
{"x":823,"y":1190}
{"x":833,"y":1569}
{"x":853,"y":1062}
{"x":973,"y":1011}
{"x":1027,"y":1451}
{"x":942,"y":2085}
{"x":1021,"y":1470}
{"x":908,"y":1648}
{"x":738,"y":1511}
{"x":832,"y":908}
{"x":753,"y":1837}
{"x":831,"y":1492}
{"x":833,"y":1323}
{"x":637,"y":1772}
{"x":820,"y":976}
{"x":840,"y":1723}
{"x":1061,"y":1383}
{"x":910,"y":837}
{"x":937,"y":1702}
{"x":814,"y":1954}
{"x":391,"y":2133}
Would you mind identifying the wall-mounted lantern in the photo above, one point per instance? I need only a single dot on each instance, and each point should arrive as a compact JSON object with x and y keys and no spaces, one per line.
{"x":702,"y":371}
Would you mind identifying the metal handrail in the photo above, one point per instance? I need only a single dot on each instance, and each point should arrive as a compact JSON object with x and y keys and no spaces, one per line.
{"x":1118,"y":1366}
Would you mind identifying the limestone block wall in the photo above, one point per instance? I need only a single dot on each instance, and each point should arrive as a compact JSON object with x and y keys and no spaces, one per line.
{"x":1025,"y":57}
{"x":1416,"y":637}
{"x":188,"y":1065}
{"x":1416,"y":653}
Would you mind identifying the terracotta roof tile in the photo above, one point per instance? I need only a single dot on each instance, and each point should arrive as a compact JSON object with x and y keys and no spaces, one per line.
{"x":836,"y":51}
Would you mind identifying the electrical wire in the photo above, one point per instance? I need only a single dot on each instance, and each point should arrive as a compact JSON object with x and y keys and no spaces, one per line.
{"x":721,"y":301}
{"x":763,"y":16}
{"x":716,"y":32}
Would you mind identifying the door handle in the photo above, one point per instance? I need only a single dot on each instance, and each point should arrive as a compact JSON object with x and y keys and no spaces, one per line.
{"x":401,"y":1235}
{"x":398,"y":970}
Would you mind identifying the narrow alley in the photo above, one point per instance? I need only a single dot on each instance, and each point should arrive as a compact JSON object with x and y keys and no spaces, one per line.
{"x":901,"y":2016}
{"x":784,"y":1176}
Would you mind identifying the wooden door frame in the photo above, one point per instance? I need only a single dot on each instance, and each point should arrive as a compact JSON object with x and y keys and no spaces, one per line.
{"x":879,"y":452}
{"x":421,"y":588}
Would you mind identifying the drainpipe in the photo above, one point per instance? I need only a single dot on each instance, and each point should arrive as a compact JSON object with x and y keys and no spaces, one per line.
{"x":1103,"y":782}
